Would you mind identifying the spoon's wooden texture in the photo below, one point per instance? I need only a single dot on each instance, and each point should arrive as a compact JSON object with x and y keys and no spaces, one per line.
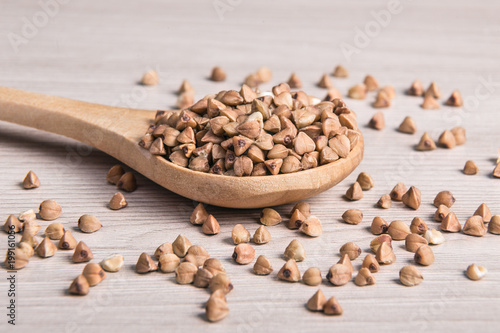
{"x":116,"y":131}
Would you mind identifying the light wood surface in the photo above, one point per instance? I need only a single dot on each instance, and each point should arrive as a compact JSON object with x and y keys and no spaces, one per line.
{"x":117,"y":131}
{"x":97,"y":51}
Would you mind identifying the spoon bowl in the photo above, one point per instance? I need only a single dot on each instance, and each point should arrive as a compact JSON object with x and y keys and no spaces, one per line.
{"x":117,"y":131}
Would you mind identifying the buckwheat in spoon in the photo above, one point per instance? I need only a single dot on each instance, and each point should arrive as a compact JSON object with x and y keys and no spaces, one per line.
{"x":231,"y":149}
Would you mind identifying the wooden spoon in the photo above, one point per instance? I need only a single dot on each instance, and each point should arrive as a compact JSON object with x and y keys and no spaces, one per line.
{"x":117,"y":131}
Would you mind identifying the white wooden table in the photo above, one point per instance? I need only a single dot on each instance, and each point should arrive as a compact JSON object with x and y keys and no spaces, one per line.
{"x":97,"y":51}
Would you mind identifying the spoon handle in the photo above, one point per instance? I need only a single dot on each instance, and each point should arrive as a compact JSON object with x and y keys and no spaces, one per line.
{"x":100,"y":126}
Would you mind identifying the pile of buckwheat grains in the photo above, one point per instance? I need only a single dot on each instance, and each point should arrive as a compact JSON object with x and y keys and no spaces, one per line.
{"x":251,"y":133}
{"x":248,"y":134}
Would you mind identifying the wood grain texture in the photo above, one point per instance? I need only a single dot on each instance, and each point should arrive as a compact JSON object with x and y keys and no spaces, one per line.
{"x":96,"y":52}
